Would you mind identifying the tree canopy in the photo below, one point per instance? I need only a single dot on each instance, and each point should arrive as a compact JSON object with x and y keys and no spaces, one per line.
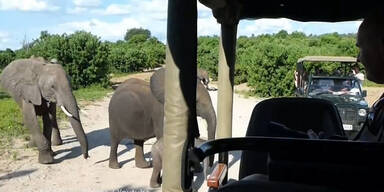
{"x":266,"y":62}
{"x":145,"y":33}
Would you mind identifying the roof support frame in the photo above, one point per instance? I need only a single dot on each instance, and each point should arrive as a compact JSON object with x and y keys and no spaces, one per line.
{"x":180,"y":124}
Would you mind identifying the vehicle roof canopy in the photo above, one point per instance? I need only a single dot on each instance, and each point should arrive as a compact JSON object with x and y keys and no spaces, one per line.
{"x":324,"y":10}
{"x":181,"y":63}
{"x":343,"y":59}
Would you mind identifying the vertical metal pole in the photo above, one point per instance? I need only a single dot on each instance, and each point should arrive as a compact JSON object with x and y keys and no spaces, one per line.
{"x":227,"y":57}
{"x":180,"y":91}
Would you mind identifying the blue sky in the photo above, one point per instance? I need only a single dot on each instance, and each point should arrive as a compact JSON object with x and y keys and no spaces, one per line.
{"x":22,"y":20}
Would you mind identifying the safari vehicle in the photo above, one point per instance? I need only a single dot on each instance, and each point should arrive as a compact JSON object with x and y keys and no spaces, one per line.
{"x":341,"y":88}
{"x":296,"y":161}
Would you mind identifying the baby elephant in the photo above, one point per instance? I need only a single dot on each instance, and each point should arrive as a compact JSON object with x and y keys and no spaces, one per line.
{"x":157,"y":151}
{"x":136,"y":114}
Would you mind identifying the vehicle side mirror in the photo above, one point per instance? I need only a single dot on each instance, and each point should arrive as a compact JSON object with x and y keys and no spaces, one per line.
{"x":364,"y":93}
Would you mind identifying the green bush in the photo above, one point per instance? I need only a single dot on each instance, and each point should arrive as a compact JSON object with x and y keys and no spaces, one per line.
{"x":125,"y":59}
{"x":155,"y":51}
{"x":6,"y":57}
{"x":83,"y":55}
{"x":86,"y":60}
{"x":137,"y":54}
{"x":266,"y":62}
{"x":208,"y":55}
{"x":137,"y":31}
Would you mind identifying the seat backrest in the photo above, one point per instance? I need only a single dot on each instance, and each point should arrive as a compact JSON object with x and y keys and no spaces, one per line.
{"x":299,"y":114}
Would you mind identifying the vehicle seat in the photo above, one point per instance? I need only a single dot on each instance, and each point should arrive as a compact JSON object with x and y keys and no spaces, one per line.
{"x":297,"y":114}
{"x":257,"y":182}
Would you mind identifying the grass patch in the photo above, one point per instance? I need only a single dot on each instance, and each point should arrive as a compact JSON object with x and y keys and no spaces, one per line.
{"x":11,"y":118}
{"x":91,"y":93}
{"x":368,"y":83}
{"x":244,"y":93}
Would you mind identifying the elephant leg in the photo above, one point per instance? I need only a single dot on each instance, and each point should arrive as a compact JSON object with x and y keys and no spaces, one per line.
{"x":47,"y":126}
{"x":113,"y":163}
{"x":139,"y":155}
{"x":155,"y":181}
{"x":55,"y":138}
{"x":43,"y":145}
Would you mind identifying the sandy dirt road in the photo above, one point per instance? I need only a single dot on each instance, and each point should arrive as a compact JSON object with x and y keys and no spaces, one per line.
{"x":19,"y":170}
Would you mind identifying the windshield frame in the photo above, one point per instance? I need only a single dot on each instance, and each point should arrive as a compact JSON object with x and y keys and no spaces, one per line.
{"x":354,"y":84}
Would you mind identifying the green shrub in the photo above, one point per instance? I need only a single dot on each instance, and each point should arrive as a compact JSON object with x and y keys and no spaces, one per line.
{"x":208,"y":55}
{"x":86,"y":60}
{"x":6,"y":57}
{"x":267,"y":62}
{"x":83,"y":55}
{"x":136,"y":55}
{"x":125,"y":59}
{"x":137,"y":31}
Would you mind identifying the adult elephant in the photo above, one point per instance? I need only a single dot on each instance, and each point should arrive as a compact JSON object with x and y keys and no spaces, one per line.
{"x":38,"y":86}
{"x":204,"y":107}
{"x":137,"y":112}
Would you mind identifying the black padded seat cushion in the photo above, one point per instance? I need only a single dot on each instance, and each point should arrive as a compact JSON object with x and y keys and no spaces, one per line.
{"x":298,"y":114}
{"x":260,"y":183}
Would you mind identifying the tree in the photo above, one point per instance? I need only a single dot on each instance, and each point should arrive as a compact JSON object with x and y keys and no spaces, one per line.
{"x":137,"y":31}
{"x":83,"y":56}
{"x":208,"y":54}
{"x":6,"y":57}
{"x":137,"y":54}
{"x":86,"y":59}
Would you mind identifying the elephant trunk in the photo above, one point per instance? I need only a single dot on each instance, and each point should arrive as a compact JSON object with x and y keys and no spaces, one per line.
{"x":211,"y":121}
{"x":69,"y":107}
{"x":207,"y":112}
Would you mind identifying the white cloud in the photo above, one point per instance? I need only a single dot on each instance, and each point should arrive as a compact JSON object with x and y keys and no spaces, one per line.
{"x":202,"y":7}
{"x":114,"y":9}
{"x":149,"y":14}
{"x":87,"y":3}
{"x":358,"y":23}
{"x":262,"y":26}
{"x":207,"y":26}
{"x":154,"y":9}
{"x":4,"y":37}
{"x":105,"y":30}
{"x":26,"y":5}
{"x":203,"y":11}
{"x":77,"y":10}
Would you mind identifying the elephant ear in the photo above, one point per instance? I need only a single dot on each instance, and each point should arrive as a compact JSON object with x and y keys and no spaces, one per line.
{"x":30,"y":93}
{"x":157,"y":84}
{"x":20,"y":78}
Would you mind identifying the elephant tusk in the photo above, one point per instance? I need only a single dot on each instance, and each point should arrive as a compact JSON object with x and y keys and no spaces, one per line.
{"x":66,"y":112}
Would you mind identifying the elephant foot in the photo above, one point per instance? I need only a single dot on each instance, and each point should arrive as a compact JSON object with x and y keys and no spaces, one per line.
{"x":46,"y":157}
{"x":154,"y":184}
{"x":143,"y":164}
{"x":57,"y":141}
{"x":114,"y":165}
{"x":53,"y":153}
